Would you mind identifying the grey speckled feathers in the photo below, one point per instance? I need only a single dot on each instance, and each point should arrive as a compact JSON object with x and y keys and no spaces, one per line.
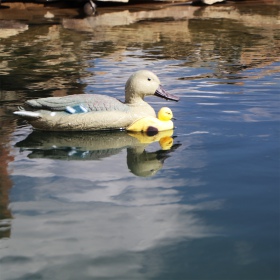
{"x":92,"y":102}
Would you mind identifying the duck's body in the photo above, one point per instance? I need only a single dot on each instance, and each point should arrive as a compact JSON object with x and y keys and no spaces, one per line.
{"x":101,"y":111}
{"x":152,"y":124}
{"x":107,"y":113}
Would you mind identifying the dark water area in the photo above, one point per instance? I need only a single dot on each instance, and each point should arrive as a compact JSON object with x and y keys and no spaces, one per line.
{"x":113,"y":205}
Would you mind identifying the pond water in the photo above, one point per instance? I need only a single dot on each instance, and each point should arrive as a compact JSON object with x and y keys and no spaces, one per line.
{"x":114,"y":206}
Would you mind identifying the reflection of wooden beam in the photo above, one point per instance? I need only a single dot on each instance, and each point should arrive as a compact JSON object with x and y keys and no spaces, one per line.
{"x":5,"y":182}
{"x":126,"y":17}
{"x":11,"y":27}
{"x":176,"y":12}
{"x":253,"y":19}
{"x":33,"y":11}
{"x":207,"y":2}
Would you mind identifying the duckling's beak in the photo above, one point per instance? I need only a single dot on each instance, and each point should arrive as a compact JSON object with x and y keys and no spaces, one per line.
{"x":164,"y":94}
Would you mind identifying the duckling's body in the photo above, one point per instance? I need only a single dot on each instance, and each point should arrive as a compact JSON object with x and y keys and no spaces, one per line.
{"x":152,"y":124}
{"x":101,"y":111}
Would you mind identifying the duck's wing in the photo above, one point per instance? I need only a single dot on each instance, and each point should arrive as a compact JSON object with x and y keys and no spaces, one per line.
{"x":91,"y":102}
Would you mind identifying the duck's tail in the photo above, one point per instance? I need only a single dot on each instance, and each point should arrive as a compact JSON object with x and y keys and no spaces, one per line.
{"x":27,"y":114}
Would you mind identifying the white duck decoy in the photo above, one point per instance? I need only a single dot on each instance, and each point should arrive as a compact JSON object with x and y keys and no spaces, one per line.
{"x":151,"y":124}
{"x":99,"y":112}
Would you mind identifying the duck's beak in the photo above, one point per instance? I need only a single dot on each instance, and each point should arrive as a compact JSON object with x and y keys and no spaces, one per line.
{"x":164,"y":94}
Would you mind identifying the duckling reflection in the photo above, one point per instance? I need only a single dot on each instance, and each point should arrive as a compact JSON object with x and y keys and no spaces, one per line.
{"x":146,"y":164}
{"x":98,"y":145}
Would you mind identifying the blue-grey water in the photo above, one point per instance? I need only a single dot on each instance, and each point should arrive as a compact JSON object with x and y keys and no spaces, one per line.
{"x":112,"y":206}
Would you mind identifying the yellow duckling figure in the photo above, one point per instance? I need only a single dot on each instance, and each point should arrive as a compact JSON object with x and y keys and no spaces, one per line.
{"x":151,"y":124}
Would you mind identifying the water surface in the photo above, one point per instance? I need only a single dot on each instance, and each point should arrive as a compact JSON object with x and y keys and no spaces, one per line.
{"x":114,"y":206}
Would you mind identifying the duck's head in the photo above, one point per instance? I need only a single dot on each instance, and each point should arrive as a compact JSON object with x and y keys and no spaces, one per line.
{"x":143,"y":83}
{"x":165,"y":114}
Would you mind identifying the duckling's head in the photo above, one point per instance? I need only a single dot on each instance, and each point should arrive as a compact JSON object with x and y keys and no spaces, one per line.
{"x":143,"y":83}
{"x":165,"y":114}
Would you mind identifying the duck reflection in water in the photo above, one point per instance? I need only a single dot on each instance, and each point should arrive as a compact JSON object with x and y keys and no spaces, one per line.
{"x":98,"y":145}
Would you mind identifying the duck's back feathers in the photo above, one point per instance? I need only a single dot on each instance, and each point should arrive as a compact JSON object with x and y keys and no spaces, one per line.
{"x":91,"y":102}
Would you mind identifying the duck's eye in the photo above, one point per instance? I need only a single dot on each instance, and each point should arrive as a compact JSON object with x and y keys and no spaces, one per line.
{"x":149,"y":79}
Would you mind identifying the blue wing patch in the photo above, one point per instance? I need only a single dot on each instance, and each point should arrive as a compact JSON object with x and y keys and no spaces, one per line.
{"x":76,"y":109}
